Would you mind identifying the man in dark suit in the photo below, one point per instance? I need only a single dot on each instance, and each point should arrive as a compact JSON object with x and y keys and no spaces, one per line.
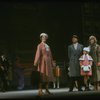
{"x":74,"y":52}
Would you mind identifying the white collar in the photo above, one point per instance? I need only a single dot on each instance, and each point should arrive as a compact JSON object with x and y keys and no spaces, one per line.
{"x":75,"y":43}
{"x":47,"y":47}
{"x":83,"y":57}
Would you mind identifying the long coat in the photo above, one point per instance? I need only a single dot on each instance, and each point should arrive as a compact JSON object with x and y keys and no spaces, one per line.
{"x":44,"y":60}
{"x":95,"y":53}
{"x":74,"y":55}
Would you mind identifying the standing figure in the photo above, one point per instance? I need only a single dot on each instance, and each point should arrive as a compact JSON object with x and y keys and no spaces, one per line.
{"x":74,"y":52}
{"x":57,"y":73}
{"x":86,"y":66}
{"x":54,"y":73}
{"x":95,"y":54}
{"x":19,"y":71}
{"x":44,"y":62}
{"x":4,"y":67}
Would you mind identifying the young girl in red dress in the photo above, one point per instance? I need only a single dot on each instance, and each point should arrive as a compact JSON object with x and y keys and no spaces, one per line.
{"x":86,"y":66}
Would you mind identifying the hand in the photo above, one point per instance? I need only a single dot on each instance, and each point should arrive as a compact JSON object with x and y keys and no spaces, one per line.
{"x":34,"y":67}
{"x":98,"y":64}
{"x":82,"y":67}
{"x":89,"y":66}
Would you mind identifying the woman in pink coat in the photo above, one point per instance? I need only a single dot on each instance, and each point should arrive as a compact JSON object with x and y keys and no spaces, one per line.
{"x":44,"y":62}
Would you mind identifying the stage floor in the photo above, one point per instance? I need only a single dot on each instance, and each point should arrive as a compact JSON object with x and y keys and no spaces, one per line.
{"x":57,"y":93}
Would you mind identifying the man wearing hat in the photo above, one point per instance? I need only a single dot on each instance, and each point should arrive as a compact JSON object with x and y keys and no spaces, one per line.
{"x":74,"y":52}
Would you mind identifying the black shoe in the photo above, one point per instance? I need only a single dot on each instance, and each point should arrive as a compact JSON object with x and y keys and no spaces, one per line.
{"x":80,"y":90}
{"x":48,"y":92}
{"x":70,"y":90}
{"x":87,"y":89}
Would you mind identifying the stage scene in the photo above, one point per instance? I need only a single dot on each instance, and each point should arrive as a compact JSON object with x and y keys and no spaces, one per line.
{"x":49,"y":49}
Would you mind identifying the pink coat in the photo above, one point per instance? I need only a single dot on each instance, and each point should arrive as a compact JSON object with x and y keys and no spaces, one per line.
{"x":86,"y":61}
{"x":43,"y":59}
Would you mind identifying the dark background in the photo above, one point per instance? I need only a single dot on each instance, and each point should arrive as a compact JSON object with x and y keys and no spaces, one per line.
{"x":22,"y":22}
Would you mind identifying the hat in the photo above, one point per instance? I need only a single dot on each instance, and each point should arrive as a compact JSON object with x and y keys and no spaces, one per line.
{"x":86,"y":49}
{"x":43,"y":34}
{"x":75,"y":36}
{"x":92,"y":37}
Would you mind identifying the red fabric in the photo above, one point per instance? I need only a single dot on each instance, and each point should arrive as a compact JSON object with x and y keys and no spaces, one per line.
{"x":85,"y":62}
{"x":44,"y":60}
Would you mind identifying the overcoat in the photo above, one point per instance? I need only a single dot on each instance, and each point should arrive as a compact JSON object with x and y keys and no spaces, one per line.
{"x":95,"y":53}
{"x":44,"y":60}
{"x":73,"y":55}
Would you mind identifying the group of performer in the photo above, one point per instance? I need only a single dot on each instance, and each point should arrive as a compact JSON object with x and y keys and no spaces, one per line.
{"x":84,"y":66}
{"x":84,"y":63}
{"x":8,"y":70}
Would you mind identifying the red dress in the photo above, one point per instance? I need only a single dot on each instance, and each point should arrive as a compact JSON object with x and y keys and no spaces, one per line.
{"x":44,"y":60}
{"x":85,"y":61}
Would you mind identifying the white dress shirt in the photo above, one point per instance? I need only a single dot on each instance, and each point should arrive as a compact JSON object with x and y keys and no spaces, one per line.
{"x":75,"y":45}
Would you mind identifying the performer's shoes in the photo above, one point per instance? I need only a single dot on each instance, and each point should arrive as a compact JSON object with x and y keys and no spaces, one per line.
{"x":20,"y":87}
{"x":40,"y":93}
{"x":87,"y":89}
{"x":48,"y":92}
{"x":70,"y":90}
{"x":80,"y":90}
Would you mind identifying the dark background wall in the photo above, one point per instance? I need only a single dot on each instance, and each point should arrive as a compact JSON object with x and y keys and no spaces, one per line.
{"x":21,"y":24}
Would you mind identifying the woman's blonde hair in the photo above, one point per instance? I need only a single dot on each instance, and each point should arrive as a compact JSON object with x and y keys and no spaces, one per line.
{"x":43,"y":34}
{"x":93,"y":37}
